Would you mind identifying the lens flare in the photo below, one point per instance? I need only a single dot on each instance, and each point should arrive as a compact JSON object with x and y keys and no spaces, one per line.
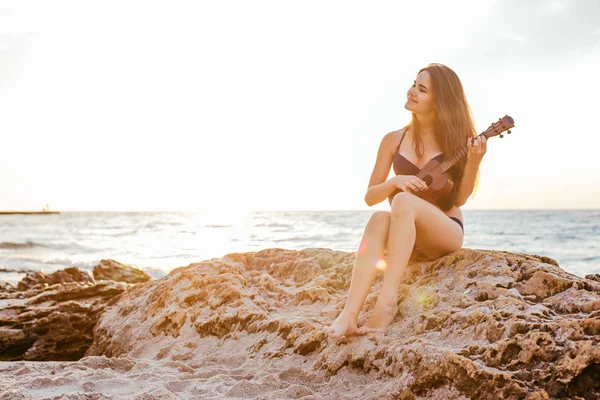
{"x":381,"y":264}
{"x":425,"y":297}
{"x":362,"y":247}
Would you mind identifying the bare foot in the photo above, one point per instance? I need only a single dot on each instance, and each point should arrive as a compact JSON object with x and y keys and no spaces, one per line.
{"x":344,"y":325}
{"x":381,"y":317}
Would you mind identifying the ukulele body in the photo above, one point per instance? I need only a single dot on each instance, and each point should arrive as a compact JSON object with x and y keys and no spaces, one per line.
{"x":439,"y":183}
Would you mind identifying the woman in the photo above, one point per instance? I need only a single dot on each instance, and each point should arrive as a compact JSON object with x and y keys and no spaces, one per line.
{"x":441,"y":124}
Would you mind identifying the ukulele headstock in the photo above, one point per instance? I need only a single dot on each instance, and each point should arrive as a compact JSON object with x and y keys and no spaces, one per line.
{"x":496,"y":129}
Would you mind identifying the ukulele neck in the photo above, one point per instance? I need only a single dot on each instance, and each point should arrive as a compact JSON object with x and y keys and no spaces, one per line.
{"x":446,"y":165}
{"x":495,"y":129}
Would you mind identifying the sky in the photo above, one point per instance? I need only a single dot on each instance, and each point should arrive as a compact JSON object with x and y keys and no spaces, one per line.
{"x":279,"y":105}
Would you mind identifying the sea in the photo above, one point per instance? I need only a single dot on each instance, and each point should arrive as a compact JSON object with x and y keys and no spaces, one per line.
{"x":158,"y":242}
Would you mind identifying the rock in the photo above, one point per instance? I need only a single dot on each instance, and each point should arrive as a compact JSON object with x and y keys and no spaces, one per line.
{"x":115,"y":271}
{"x":53,"y":322}
{"x":20,"y":270}
{"x":66,"y":275}
{"x":473,"y":324}
{"x":7,"y":287}
{"x":595,"y":277}
{"x":51,"y":317}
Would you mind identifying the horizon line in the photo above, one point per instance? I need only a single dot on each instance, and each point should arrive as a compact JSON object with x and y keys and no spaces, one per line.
{"x":292,"y":210}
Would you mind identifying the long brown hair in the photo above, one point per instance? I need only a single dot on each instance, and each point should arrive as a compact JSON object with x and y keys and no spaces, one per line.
{"x":454,"y":124}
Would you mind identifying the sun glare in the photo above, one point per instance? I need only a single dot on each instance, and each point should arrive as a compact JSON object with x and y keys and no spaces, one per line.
{"x":381,"y":264}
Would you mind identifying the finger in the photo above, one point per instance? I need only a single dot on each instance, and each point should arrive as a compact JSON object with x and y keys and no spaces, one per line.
{"x":419,"y":183}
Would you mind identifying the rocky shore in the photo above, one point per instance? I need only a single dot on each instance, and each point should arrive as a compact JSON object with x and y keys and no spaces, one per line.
{"x":475,"y":324}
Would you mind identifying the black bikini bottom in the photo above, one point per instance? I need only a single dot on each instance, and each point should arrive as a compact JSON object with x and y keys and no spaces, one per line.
{"x":458,"y":221}
{"x":455,"y":219}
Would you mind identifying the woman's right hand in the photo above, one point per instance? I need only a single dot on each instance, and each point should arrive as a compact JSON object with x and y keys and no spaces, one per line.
{"x":408,"y":183}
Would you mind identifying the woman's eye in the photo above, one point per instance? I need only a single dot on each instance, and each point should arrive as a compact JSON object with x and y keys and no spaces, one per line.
{"x":423,"y":91}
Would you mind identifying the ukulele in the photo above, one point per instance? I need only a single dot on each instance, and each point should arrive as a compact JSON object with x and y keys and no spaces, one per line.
{"x":434,"y":173}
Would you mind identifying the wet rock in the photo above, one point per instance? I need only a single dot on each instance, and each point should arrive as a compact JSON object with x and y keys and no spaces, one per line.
{"x":20,"y":270}
{"x":595,"y":277}
{"x":53,"y":322}
{"x":66,"y":275}
{"x":115,"y":271}
{"x":7,"y":287}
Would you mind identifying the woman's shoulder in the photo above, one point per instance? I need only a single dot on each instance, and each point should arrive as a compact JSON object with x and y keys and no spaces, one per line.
{"x":395,"y":137}
{"x":403,"y":130}
{"x":391,"y":141}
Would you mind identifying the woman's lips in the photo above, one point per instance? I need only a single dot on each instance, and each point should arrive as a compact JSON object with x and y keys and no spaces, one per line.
{"x":409,"y":99}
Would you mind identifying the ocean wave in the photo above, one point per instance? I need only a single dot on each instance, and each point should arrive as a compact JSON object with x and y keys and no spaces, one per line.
{"x":274,"y":225}
{"x":186,"y":232}
{"x":592,"y":258}
{"x":48,"y":266}
{"x":26,"y":245}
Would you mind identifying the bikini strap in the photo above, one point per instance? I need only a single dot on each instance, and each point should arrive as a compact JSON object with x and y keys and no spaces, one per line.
{"x":401,"y":138}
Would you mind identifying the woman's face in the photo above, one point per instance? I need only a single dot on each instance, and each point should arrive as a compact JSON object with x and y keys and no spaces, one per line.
{"x":420,"y":98}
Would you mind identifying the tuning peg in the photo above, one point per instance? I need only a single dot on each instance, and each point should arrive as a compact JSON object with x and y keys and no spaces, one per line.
{"x":501,"y":136}
{"x":508,"y":131}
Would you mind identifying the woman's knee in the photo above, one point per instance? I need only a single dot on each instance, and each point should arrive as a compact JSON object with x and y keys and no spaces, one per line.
{"x":379,"y":217}
{"x":402,"y":204}
{"x":380,"y":220}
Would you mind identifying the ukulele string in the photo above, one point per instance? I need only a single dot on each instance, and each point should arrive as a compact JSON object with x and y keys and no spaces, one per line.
{"x":441,"y":165}
{"x":463,"y":151}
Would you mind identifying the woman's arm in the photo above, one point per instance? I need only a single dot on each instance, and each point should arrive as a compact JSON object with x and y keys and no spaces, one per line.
{"x":467,"y":183}
{"x":378,"y":193}
{"x":380,"y":188}
{"x":477,"y":148}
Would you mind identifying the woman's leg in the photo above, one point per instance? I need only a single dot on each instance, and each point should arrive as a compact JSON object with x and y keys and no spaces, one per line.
{"x":369,"y":257}
{"x":437,"y":236}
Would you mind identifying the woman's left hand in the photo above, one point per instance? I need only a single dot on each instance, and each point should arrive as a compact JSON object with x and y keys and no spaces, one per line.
{"x":477,"y":148}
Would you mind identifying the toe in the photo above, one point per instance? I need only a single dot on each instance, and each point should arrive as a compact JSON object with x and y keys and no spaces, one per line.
{"x":338,"y":333}
{"x":366,"y":330}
